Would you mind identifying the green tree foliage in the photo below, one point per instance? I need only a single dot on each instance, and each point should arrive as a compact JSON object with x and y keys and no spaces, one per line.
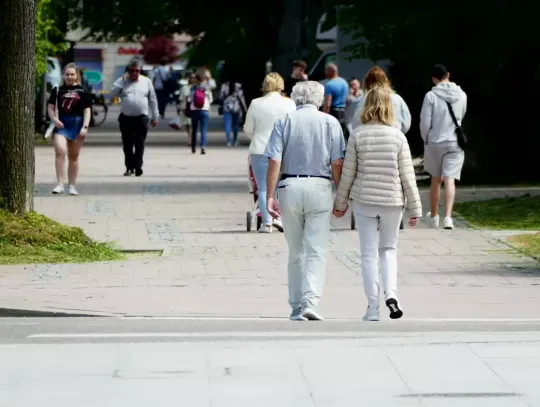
{"x":492,"y":50}
{"x":45,"y":27}
{"x":243,"y":34}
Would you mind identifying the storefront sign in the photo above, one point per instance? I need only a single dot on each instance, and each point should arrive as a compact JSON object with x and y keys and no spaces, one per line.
{"x":129,"y":51}
{"x":93,"y":77}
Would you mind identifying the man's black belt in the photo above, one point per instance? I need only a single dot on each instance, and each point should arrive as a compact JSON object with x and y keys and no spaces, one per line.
{"x":285,"y":176}
{"x":338,"y":109}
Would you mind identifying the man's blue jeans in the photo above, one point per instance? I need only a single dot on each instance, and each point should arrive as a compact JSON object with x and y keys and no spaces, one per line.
{"x":232,"y":125}
{"x":199,"y":118}
{"x":259,"y":165}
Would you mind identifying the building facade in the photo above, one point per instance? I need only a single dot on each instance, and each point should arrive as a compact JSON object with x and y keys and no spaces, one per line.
{"x":108,"y":60}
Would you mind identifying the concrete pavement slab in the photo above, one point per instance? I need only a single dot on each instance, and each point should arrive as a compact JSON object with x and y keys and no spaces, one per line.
{"x":195,"y":207}
{"x":339,"y":372}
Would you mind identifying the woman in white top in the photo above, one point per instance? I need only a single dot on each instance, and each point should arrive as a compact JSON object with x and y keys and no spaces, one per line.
{"x":260,"y":118}
{"x":378,"y":175}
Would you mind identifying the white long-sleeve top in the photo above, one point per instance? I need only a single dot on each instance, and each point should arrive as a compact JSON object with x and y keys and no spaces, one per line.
{"x":261,"y":116}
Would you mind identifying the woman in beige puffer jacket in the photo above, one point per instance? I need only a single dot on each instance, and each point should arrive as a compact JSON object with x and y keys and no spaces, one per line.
{"x":378,"y":175}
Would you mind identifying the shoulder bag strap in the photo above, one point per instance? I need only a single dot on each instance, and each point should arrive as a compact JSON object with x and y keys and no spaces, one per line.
{"x":452,"y":114}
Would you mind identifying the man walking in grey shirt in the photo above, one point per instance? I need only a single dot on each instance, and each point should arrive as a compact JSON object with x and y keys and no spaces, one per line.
{"x":306,"y":153}
{"x":138,"y":97}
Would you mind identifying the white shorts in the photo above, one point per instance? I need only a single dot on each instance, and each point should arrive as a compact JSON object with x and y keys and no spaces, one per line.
{"x":443,"y":160}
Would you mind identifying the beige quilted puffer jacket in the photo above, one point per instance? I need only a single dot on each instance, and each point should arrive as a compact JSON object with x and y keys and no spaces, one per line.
{"x":378,"y":170}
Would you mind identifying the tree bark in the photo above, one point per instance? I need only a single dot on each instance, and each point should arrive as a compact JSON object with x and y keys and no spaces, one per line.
{"x":17,"y":76}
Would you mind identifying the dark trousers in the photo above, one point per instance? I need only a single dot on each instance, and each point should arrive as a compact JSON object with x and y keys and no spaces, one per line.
{"x":134,"y":130}
{"x":162,"y":97}
{"x":339,"y":114}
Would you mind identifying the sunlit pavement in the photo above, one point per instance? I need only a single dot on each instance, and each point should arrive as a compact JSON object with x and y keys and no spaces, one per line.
{"x":219,"y":334}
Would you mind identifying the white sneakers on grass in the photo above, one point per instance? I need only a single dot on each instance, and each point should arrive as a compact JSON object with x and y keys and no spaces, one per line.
{"x":59,"y":189}
{"x":434,"y":221}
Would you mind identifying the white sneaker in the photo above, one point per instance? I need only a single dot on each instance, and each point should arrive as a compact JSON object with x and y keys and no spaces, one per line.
{"x":432,"y":221}
{"x":277,"y":224}
{"x":265,"y":229}
{"x":59,"y":189}
{"x":72,"y":190}
{"x":311,"y":315}
{"x":372,"y":314}
{"x":229,"y":144}
{"x":448,"y":223}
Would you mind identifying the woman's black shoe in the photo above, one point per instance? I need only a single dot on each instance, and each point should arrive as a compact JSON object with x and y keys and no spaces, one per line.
{"x":203,"y":151}
{"x":138,"y":173}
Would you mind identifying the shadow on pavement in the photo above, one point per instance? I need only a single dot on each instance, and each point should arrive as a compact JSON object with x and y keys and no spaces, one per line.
{"x":128,"y":188}
{"x":157,"y":141}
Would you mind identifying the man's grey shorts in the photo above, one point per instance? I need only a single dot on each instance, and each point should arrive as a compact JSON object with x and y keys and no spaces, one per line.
{"x":443,"y":160}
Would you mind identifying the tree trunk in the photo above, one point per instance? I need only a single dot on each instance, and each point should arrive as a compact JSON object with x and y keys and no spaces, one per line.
{"x":297,"y":34}
{"x":289,"y":41}
{"x":17,"y":76}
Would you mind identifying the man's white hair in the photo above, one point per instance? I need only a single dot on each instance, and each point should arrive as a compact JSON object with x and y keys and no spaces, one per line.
{"x":308,"y":93}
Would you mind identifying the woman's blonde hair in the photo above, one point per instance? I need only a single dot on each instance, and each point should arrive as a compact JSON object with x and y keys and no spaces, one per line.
{"x":273,"y":82}
{"x":378,"y":107}
{"x":71,"y":65}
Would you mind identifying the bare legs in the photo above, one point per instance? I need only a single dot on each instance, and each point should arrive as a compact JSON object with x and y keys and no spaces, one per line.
{"x":60,"y":149}
{"x":74,"y":149}
{"x":449,"y":195}
{"x":435,"y":195}
{"x":62,"y":146}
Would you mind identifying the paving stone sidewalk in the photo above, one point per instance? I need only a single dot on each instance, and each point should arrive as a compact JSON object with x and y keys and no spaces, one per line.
{"x":195,"y":207}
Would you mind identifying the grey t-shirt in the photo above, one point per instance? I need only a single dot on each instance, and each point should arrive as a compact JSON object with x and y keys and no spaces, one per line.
{"x":306,"y":142}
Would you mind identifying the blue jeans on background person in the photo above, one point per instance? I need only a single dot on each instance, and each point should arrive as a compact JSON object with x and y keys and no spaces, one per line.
{"x":199,"y":118}
{"x":259,"y":165}
{"x":232,"y":125}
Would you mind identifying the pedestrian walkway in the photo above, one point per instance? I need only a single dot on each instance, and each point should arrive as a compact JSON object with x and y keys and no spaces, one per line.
{"x":395,"y":370}
{"x":194,"y":208}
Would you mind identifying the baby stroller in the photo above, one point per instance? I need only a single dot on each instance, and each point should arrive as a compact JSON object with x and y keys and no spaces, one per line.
{"x":255,"y":212}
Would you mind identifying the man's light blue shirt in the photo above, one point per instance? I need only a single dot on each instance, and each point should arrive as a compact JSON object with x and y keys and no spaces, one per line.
{"x":306,"y":142}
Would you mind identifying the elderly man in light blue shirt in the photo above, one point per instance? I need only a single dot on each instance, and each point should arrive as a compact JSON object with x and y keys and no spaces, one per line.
{"x":305,"y":152}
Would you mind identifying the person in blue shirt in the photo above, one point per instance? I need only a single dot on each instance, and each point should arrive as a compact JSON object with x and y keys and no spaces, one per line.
{"x":336,"y":92}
